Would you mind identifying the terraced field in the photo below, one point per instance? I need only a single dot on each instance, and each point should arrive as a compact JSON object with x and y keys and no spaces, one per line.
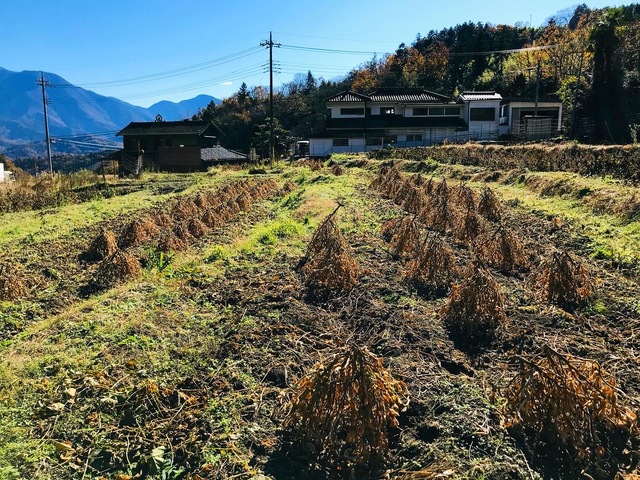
{"x":353,"y":319}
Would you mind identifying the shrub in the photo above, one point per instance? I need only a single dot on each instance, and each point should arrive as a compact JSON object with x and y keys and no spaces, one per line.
{"x":569,"y":404}
{"x":475,"y":310}
{"x":345,"y":408}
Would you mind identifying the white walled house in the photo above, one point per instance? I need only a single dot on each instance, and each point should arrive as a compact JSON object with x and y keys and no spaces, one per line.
{"x":407,"y":117}
{"x":525,"y":119}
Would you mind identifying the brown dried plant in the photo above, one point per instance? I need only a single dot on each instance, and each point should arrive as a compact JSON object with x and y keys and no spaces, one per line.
{"x":388,"y":181}
{"x":115,"y":269}
{"x":565,"y":281}
{"x":504,"y":250}
{"x":489,"y":206}
{"x":139,"y":231}
{"x":464,"y":198}
{"x":345,"y":408}
{"x":12,"y":286}
{"x":104,"y":245}
{"x":337,"y":170}
{"x":468,"y":226}
{"x":169,"y":242}
{"x":433,"y":269}
{"x":329,"y":263}
{"x":197,"y":228}
{"x":474,"y":312}
{"x":569,"y":403}
{"x":211,"y":219}
{"x":405,"y":242}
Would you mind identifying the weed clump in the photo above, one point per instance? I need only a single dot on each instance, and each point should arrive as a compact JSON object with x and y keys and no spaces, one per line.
{"x":570,"y":404}
{"x":330,"y":266}
{"x":104,"y":245}
{"x":345,"y":408}
{"x":475,"y":310}
{"x":564,"y":281}
{"x":117,"y":268}
{"x":12,"y":286}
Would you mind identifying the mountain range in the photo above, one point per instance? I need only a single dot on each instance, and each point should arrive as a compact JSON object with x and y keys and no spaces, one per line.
{"x":73,"y":112}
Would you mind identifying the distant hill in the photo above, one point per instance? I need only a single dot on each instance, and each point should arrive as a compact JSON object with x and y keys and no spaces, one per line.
{"x":73,"y":111}
{"x":182,"y":110}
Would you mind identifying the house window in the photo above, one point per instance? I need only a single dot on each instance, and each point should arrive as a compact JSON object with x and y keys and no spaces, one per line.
{"x":387,"y":111}
{"x":454,"y":111}
{"x":482,"y":114}
{"x":374,"y":142}
{"x":436,"y":111}
{"x":351,"y":111}
{"x":340,"y":142}
{"x":420,"y":112}
{"x":389,"y":139}
{"x":414,"y":137}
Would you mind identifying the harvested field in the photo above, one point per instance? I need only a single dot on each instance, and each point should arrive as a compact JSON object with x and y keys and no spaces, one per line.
{"x":273,"y":343}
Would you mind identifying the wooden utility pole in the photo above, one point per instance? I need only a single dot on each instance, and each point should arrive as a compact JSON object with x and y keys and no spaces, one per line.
{"x":270,"y":44}
{"x":46,"y":83}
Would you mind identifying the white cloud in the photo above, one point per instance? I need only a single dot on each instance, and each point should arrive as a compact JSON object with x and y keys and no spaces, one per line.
{"x":227,"y":83}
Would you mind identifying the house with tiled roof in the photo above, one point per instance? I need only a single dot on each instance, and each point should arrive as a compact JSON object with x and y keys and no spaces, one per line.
{"x":181,"y":146}
{"x":406,"y":117}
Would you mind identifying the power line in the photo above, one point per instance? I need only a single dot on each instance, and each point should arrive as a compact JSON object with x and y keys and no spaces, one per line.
{"x":171,"y":73}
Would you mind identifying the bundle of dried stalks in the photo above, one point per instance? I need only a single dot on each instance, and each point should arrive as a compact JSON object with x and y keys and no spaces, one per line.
{"x":287,"y":188}
{"x":104,"y":245}
{"x":565,"y":281}
{"x":504,"y":250}
{"x":139,"y":231}
{"x":390,"y":228}
{"x":169,"y":242}
{"x":405,"y":241}
{"x":569,"y":403}
{"x":415,"y":201}
{"x":197,"y":228}
{"x":406,"y":190}
{"x":181,"y":230}
{"x":202,"y":201}
{"x":12,"y":286}
{"x":244,"y":202}
{"x":489,"y":205}
{"x":388,"y":181}
{"x":468,"y":226}
{"x":163,"y":220}
{"x":115,"y":269}
{"x":475,"y":310}
{"x":345,"y":408}
{"x":433,"y":269}
{"x":337,"y":170}
{"x":211,"y":219}
{"x":330,"y":266}
{"x":184,"y":208}
{"x":464,"y":198}
{"x":437,"y":214}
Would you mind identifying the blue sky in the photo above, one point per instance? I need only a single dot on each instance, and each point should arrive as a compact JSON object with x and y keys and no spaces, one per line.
{"x":143,"y":51}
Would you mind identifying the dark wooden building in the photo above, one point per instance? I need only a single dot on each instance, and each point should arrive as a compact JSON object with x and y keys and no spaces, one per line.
{"x":183,"y":146}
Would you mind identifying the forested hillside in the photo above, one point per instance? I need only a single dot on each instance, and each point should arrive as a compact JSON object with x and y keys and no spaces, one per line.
{"x":588,"y":58}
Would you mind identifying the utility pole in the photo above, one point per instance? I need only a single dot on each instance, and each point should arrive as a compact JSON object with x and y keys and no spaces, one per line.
{"x":270,"y":44}
{"x":46,"y":83}
{"x":538,"y":75}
